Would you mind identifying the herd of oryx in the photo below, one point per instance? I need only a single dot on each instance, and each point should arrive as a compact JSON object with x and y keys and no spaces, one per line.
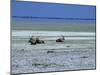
{"x":35,"y":40}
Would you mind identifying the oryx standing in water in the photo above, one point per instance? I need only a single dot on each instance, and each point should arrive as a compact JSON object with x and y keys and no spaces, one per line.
{"x":35,"y":40}
{"x":61,"y":39}
{"x":32,"y":40}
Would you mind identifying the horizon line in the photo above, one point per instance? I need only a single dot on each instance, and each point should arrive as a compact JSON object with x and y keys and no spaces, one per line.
{"x":31,"y":17}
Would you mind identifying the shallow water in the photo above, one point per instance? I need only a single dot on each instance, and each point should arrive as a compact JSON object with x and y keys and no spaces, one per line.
{"x":31,"y":61}
{"x":75,"y":53}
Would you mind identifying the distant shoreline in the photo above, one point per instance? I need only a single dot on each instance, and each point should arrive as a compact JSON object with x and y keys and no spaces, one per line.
{"x":31,"y":17}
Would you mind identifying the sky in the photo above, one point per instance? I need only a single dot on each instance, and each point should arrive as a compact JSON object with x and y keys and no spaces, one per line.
{"x":52,"y":10}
